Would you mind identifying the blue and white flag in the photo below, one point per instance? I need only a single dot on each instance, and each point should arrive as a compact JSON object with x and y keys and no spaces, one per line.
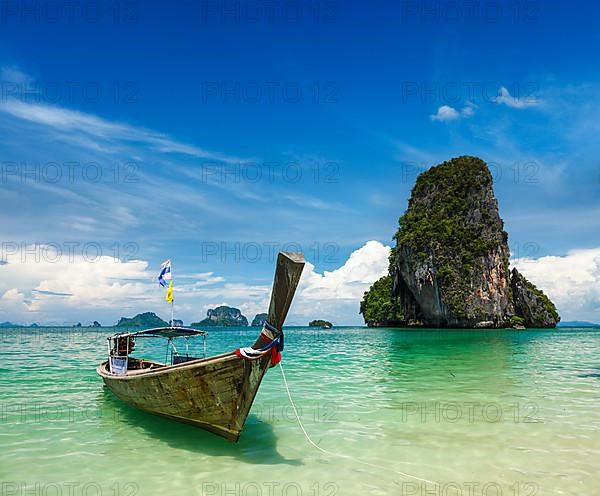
{"x":165,"y":273}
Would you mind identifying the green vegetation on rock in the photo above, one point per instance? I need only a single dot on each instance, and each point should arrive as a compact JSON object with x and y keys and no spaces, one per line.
{"x":436,"y":220}
{"x":379,"y":307}
{"x":546,"y":302}
{"x":515,"y":320}
{"x":531,"y":303}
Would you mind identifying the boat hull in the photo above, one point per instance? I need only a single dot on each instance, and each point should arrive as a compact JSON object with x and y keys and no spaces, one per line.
{"x":215,"y":394}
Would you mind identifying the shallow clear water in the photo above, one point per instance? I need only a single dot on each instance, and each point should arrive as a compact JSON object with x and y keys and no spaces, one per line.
{"x":479,"y":412}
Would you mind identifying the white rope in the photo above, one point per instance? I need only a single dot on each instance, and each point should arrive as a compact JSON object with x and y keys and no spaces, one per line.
{"x":437,"y":484}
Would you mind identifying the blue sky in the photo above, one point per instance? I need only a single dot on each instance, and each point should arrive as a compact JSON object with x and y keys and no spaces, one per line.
{"x":356,"y":97}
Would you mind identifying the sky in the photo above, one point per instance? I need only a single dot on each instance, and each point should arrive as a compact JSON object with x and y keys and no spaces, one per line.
{"x":215,"y":134}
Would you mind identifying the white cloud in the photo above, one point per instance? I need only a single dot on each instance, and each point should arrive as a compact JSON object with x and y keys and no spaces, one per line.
{"x":447,"y":113}
{"x":14,"y":300}
{"x":37,"y":285}
{"x":332,"y":295}
{"x":572,"y":282}
{"x":364,"y":266}
{"x":45,"y":285}
{"x":505,"y":98}
{"x":336,"y":295}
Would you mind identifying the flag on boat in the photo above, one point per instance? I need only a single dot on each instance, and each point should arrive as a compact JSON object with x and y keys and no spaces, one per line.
{"x":165,"y":273}
{"x":169,"y":297}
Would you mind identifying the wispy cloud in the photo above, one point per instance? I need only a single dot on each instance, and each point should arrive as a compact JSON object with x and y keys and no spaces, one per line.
{"x":505,"y":98}
{"x":97,"y":133}
{"x":14,"y":75}
{"x":315,"y":203}
{"x":50,"y":293}
{"x":168,"y":184}
{"x":447,"y":113}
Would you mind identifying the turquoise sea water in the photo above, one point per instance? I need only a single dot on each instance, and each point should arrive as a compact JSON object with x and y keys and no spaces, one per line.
{"x":479,"y":412}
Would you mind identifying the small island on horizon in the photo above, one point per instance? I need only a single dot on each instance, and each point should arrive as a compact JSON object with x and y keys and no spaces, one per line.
{"x":259,"y":320}
{"x":223,"y":316}
{"x":325,"y":324}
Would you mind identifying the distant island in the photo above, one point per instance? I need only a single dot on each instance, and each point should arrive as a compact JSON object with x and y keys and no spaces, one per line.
{"x":320,"y":323}
{"x":146,"y":319}
{"x":223,"y":316}
{"x":12,"y":324}
{"x":577,"y":323}
{"x":450,"y":267}
{"x":259,"y":320}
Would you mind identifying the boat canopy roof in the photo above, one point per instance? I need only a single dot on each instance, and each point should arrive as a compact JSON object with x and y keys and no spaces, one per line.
{"x":163,"y":332}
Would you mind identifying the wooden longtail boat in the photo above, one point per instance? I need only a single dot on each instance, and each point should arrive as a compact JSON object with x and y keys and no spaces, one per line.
{"x":213,"y":393}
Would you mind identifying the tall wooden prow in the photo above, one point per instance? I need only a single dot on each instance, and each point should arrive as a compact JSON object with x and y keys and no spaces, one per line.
{"x":287,"y":276}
